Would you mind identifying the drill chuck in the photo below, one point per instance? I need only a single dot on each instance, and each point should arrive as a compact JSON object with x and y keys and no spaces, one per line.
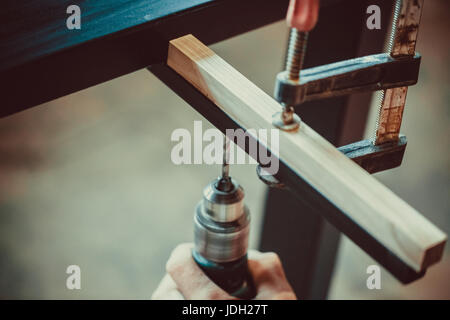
{"x":221,"y":229}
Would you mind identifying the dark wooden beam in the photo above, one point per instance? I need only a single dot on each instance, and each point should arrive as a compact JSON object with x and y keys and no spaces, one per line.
{"x":40,"y":59}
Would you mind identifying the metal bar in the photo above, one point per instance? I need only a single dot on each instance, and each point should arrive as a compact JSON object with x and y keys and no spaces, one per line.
{"x":402,"y":45}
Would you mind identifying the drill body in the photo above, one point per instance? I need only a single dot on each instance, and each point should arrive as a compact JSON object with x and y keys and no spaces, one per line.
{"x":221,"y":229}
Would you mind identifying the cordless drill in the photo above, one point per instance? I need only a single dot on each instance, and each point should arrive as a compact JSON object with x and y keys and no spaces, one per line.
{"x":221,"y":229}
{"x":221,"y":222}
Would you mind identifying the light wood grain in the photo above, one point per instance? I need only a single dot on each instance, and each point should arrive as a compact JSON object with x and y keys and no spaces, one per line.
{"x":389,"y":219}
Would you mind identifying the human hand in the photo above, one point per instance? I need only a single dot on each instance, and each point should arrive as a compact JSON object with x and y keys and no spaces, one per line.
{"x":185,"y":279}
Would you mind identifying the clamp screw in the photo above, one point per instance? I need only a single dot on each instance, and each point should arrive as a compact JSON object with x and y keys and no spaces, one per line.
{"x":301,"y":17}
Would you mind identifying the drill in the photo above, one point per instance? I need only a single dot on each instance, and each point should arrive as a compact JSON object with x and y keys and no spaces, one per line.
{"x":221,"y":222}
{"x":221,"y":229}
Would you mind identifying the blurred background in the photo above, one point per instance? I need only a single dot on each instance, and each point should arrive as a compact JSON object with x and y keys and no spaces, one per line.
{"x":87,"y":179}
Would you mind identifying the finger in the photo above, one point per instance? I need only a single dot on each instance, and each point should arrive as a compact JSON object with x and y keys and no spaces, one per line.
{"x":167,"y":290}
{"x":191,"y":281}
{"x":255,"y":254}
{"x":266,"y":269}
{"x":269,"y":277}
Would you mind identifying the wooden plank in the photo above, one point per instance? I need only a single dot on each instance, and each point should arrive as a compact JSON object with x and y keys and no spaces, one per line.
{"x":362,"y":199}
{"x":370,"y":157}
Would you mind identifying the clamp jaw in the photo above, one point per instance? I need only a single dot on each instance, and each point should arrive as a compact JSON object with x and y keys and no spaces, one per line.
{"x":369,"y":73}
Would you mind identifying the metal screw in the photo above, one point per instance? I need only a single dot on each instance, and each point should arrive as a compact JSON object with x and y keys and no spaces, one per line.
{"x":287,"y":119}
{"x":294,"y":63}
{"x":296,"y":53}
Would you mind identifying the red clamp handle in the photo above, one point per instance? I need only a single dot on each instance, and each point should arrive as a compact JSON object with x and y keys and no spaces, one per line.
{"x":303,"y":14}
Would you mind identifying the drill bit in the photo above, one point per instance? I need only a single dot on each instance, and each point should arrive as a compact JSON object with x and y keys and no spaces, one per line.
{"x":224,"y":184}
